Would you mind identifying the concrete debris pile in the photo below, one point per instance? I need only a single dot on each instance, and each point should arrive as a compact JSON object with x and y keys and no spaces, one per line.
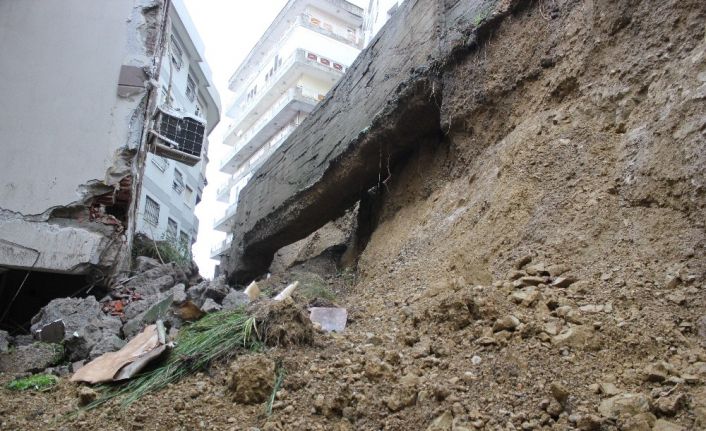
{"x":83,"y":329}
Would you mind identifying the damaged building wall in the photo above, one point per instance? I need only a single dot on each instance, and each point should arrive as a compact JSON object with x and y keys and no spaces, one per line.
{"x":74,"y":99}
{"x":387,"y":103}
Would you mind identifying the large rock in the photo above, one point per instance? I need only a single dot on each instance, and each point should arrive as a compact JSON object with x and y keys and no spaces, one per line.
{"x":31,"y":358}
{"x":235,"y":299}
{"x":216,"y":290}
{"x":86,"y":325}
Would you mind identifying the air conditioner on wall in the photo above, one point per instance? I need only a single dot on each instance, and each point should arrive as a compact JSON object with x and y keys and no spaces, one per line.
{"x":176,"y":136}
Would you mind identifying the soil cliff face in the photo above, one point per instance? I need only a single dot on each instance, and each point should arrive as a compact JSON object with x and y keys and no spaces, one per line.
{"x":579,"y":138}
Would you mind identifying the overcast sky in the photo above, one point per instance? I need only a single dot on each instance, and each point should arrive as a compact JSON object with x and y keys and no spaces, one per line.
{"x":229,"y":29}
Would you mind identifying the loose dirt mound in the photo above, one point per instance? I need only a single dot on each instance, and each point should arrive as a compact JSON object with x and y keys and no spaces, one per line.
{"x":282,"y":323}
{"x":540,"y":266}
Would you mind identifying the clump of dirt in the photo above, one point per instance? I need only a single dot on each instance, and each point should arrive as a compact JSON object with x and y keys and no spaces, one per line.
{"x":252,"y":379}
{"x":282,"y":323}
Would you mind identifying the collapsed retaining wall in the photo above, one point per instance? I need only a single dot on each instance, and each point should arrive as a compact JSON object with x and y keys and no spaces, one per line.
{"x":387,"y":104}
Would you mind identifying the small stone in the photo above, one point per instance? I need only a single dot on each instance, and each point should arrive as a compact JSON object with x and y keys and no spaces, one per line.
{"x":524,"y":260}
{"x":669,"y":406}
{"x":507,"y":323}
{"x":609,"y":389}
{"x":657,"y":372}
{"x":589,"y":423}
{"x":444,"y":422}
{"x":639,"y":422}
{"x":557,"y":270}
{"x":663,"y":425}
{"x":591,"y":308}
{"x":476,"y":360}
{"x":554,"y":409}
{"x":86,"y":396}
{"x":559,"y":392}
{"x":531,"y":281}
{"x":563,"y":282}
{"x":624,"y":405}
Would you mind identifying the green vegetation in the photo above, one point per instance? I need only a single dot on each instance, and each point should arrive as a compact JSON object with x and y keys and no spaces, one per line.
{"x":215,"y":337}
{"x":166,"y":250}
{"x":38,"y":382}
{"x":314,"y":286}
{"x":279,"y":379}
{"x":483,"y":14}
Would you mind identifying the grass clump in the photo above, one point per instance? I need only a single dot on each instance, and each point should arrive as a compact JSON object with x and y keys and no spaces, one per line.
{"x":279,"y":379}
{"x":38,"y":382}
{"x":314,"y":286}
{"x":165,"y":250}
{"x":215,"y":337}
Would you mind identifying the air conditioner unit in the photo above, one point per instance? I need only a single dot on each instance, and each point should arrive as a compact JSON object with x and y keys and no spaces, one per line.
{"x":177,"y":137}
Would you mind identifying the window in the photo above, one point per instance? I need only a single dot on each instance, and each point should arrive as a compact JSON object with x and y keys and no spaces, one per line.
{"x":160,"y":162}
{"x":151,"y":211}
{"x":178,"y":183}
{"x":176,"y":52}
{"x":183,"y":240}
{"x":190,"y":88}
{"x":171,"y":233}
{"x":189,"y":195}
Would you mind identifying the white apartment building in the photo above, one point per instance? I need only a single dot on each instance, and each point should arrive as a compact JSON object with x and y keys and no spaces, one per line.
{"x":171,"y":189}
{"x":300,"y":57}
{"x":376,"y":15}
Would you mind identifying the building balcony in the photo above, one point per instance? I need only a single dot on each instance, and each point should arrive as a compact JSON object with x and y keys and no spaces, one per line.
{"x":247,"y":112}
{"x":285,"y":110}
{"x":226,"y":223}
{"x":219,"y":249}
{"x":223,"y":192}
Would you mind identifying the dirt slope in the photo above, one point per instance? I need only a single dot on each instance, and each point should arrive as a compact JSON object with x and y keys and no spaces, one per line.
{"x":575,"y":136}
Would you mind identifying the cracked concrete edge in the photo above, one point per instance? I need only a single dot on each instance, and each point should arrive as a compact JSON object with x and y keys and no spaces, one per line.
{"x":59,"y":244}
{"x":350,"y":166}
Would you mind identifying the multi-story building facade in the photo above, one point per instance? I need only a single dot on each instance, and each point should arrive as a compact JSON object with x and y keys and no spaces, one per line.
{"x":376,"y":15}
{"x":300,"y":57}
{"x":171,"y":189}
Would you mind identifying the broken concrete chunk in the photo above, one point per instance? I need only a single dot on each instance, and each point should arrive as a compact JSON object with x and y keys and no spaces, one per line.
{"x":210,"y":306}
{"x":235,"y":299}
{"x":124,"y":363}
{"x":329,"y":318}
{"x":144,"y":264}
{"x":253,"y":291}
{"x":85,"y":324}
{"x":287,"y":292}
{"x":216,"y":290}
{"x":52,"y":332}
{"x":31,"y":358}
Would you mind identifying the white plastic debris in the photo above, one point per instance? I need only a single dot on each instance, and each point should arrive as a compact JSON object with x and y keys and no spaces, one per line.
{"x":287,"y":292}
{"x":253,"y":291}
{"x":329,"y":318}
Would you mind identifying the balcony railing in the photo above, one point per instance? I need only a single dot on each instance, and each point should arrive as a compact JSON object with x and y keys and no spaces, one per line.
{"x":220,"y":247}
{"x":300,"y":55}
{"x":311,"y":97}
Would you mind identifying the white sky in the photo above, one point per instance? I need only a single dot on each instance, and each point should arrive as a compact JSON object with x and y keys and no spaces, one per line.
{"x":229,"y":29}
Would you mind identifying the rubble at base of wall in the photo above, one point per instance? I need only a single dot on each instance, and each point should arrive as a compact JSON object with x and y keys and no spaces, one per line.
{"x":82,"y":329}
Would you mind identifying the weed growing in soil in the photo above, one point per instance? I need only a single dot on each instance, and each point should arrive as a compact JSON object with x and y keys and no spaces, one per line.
{"x":278,"y":385}
{"x":216,"y":336}
{"x":38,"y":382}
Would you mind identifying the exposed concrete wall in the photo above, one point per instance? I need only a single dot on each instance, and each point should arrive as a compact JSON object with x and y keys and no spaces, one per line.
{"x":71,"y":127}
{"x":387,"y":103}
